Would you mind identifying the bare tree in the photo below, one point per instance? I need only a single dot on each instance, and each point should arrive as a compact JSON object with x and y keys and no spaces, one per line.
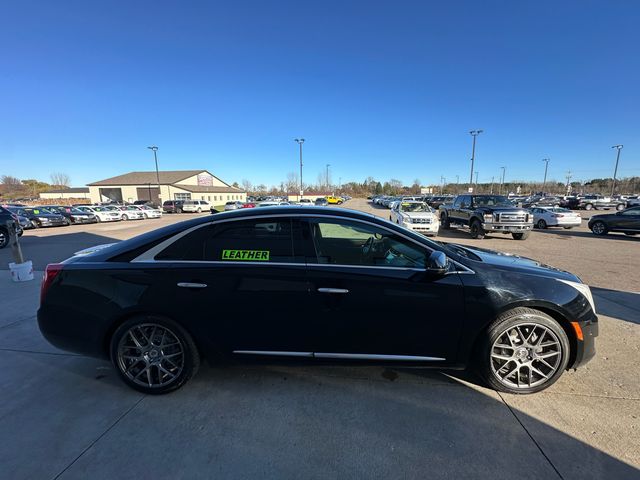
{"x":246,"y":184}
{"x":60,"y":179}
{"x":9,"y":180}
{"x":292,"y":183}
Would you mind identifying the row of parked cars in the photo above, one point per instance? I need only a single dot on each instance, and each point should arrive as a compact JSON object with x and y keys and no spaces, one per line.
{"x":199,"y":206}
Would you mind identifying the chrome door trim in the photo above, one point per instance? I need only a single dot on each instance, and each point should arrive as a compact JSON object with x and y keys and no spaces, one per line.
{"x":375,"y":356}
{"x":332,"y":290}
{"x":274,"y":353}
{"x":192,"y":285}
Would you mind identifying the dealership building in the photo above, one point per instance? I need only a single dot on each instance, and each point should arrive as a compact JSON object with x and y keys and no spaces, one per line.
{"x":173,"y":185}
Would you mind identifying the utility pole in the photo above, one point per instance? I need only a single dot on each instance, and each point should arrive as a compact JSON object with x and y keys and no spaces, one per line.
{"x":474,"y":134}
{"x":492,"y":184}
{"x":155,"y":156}
{"x":476,"y":187}
{"x":502,"y":181}
{"x":328,"y":186}
{"x":300,"y":141}
{"x":546,"y":165}
{"x":442,"y":181}
{"x":568,"y":182}
{"x":615,"y":172}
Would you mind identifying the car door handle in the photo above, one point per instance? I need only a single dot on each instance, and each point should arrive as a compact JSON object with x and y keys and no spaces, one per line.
{"x":333,"y":290}
{"x":192,"y":285}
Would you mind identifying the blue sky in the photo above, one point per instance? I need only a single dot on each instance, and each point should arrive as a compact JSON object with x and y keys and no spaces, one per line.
{"x":387,"y":89}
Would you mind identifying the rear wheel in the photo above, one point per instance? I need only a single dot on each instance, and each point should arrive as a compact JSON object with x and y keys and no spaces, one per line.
{"x":523,"y":351}
{"x":4,"y":238}
{"x":444,"y":221}
{"x":599,"y":228}
{"x":541,"y":224}
{"x":588,"y":206}
{"x":476,"y":230}
{"x":520,"y":236}
{"x":154,"y":355}
{"x":125,"y":217}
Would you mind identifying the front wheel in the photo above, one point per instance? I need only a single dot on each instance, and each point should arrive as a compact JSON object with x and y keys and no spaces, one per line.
{"x":444,"y":221}
{"x":523,"y":351}
{"x":476,"y":230}
{"x":179,"y":210}
{"x":199,"y":210}
{"x":599,"y":228}
{"x":541,"y":224}
{"x":154,"y":355}
{"x":520,"y":236}
{"x":588,"y":206}
{"x":620,"y":207}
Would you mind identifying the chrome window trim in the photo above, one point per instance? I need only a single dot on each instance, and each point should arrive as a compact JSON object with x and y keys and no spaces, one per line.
{"x":149,"y":255}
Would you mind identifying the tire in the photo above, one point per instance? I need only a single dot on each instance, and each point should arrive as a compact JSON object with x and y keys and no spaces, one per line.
{"x":620,"y":207}
{"x":520,"y":236}
{"x":476,"y":230}
{"x":541,"y":224}
{"x":181,"y":360}
{"x":599,"y":228}
{"x":199,"y":210}
{"x":98,"y":219}
{"x":146,"y":217}
{"x":444,"y":221}
{"x":125,"y":217}
{"x":4,"y":237}
{"x":513,"y":341}
{"x":588,"y":206}
{"x":178,"y":210}
{"x":66,"y":222}
{"x":35,"y":224}
{"x":630,"y":234}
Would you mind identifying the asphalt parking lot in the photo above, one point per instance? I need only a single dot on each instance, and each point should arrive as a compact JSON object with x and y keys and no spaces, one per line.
{"x":68,"y":416}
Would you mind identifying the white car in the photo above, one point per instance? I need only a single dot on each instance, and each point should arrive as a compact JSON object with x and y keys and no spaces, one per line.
{"x":195,"y":206}
{"x":149,"y":212}
{"x":102,"y":214}
{"x":544,"y":217}
{"x":235,"y":205}
{"x":416,"y":216}
{"x":131,"y":212}
{"x":272,"y":204}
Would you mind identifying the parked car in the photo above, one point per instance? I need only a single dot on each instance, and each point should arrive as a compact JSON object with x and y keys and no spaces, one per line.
{"x":249,"y":205}
{"x":321,"y":202}
{"x":483,"y":214}
{"x":131,"y":212}
{"x":40,"y":217}
{"x":590,"y":202}
{"x":149,"y":212}
{"x":633,"y":201}
{"x":195,"y":206}
{"x":416,"y":216}
{"x":305,"y":201}
{"x":626,"y":221}
{"x":519,"y":323}
{"x":102,"y":213}
{"x":437,"y":200}
{"x":172,"y":206}
{"x":274,"y":203}
{"x":72,"y":214}
{"x":555,"y":217}
{"x":332,"y":200}
{"x":233,"y":205}
{"x":7,"y":216}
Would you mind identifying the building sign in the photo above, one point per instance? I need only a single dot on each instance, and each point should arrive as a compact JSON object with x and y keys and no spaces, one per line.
{"x":205,"y":180}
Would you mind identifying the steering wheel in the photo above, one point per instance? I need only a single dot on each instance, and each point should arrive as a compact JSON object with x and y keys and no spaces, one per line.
{"x":367,"y":248}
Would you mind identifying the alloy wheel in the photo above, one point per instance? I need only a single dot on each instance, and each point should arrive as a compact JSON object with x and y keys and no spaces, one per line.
{"x":150,"y":355}
{"x":526,"y":355}
{"x":598,"y":228}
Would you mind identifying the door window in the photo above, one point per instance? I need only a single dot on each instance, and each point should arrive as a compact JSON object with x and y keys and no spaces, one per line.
{"x":344,"y":242}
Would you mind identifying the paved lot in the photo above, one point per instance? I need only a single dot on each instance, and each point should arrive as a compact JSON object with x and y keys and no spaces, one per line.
{"x":67,"y":416}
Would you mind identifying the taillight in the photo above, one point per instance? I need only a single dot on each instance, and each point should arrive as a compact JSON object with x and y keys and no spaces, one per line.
{"x":51,"y":272}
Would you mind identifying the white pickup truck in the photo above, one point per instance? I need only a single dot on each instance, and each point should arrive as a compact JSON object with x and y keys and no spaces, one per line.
{"x":416,"y":216}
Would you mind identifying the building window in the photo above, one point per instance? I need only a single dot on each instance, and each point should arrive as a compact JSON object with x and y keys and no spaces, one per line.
{"x":182,"y":196}
{"x":209,"y":197}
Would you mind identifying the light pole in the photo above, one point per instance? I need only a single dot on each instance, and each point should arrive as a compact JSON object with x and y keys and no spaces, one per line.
{"x":155,"y":157}
{"x":546,"y":165}
{"x":328,"y":186}
{"x":615,"y":172}
{"x":442,"y":182}
{"x":476,"y":187}
{"x":502,"y":181}
{"x":300,"y":141}
{"x":474,"y":134}
{"x":492,"y":178}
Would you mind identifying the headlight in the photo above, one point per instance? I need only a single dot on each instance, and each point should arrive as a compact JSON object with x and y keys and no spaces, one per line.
{"x":406,"y":220}
{"x":584,"y":290}
{"x":488,"y":217}
{"x":43,"y":219}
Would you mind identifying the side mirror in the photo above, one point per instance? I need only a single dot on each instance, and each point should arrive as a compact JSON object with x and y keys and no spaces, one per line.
{"x":438,"y":263}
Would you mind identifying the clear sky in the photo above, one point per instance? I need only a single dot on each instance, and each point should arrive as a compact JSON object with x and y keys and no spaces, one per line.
{"x":387,"y":89}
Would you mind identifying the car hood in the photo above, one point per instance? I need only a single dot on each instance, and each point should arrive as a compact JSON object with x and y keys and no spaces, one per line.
{"x":419,"y":214}
{"x":520,"y":264}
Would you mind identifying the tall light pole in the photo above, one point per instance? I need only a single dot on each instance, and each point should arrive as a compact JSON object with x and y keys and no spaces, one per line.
{"x":476,"y":187}
{"x":155,"y":157}
{"x":474,"y":134}
{"x":300,"y":141}
{"x":615,"y":172}
{"x":546,"y":165}
{"x":502,"y":181}
{"x":328,"y":186}
{"x":492,"y":178}
{"x":442,"y":182}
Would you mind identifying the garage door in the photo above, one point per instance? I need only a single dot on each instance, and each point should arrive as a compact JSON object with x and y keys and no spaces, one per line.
{"x":151,"y":193}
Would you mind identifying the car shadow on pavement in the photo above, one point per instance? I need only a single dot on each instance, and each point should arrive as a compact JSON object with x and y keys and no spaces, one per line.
{"x":573,"y":233}
{"x":617,"y":304}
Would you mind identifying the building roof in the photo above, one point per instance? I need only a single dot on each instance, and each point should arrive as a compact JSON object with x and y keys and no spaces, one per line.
{"x":69,"y":190}
{"x":142,"y":178}
{"x":206,"y":189}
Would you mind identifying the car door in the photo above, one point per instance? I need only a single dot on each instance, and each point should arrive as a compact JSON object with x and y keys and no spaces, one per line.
{"x":239,"y":284}
{"x":627,"y":220}
{"x":371,"y":297}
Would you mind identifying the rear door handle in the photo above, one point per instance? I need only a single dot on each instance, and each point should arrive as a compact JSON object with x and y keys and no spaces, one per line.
{"x":192,"y":285}
{"x":333,"y":290}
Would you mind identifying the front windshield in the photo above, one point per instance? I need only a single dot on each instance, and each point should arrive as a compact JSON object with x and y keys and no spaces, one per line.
{"x":415,"y":207}
{"x":492,"y":201}
{"x":38,"y":211}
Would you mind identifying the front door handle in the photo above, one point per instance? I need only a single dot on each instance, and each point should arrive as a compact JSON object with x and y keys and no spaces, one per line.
{"x":192,"y":285}
{"x":333,"y":290}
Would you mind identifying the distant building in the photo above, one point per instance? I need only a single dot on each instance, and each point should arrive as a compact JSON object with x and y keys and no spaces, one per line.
{"x":65,"y":193}
{"x":174,"y":185}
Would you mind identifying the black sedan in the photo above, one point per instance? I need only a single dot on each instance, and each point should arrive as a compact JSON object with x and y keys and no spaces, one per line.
{"x":318,"y":284}
{"x":72,"y":214}
{"x":39,"y":216}
{"x":626,"y":221}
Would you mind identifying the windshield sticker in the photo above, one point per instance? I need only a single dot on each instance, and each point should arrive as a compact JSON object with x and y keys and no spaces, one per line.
{"x":248,"y":255}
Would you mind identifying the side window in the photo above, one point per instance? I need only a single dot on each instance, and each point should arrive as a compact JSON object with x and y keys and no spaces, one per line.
{"x":261,"y":240}
{"x":187,"y":247}
{"x":458,"y":201}
{"x":343,"y":242}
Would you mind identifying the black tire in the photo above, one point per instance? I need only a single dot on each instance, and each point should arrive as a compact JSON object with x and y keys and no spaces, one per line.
{"x":178,"y":210}
{"x":530,"y":321}
{"x":521,"y":235}
{"x":66,"y":222}
{"x":620,"y":207}
{"x":444,"y":221}
{"x":190,"y":356}
{"x":588,"y":206}
{"x":599,"y":228}
{"x":4,"y":237}
{"x":541,"y":224}
{"x":476,"y":230}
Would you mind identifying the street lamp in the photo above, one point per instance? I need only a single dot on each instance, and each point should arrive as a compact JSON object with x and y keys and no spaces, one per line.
{"x":615,"y":172}
{"x":155,"y":156}
{"x":546,"y":165}
{"x":474,"y":134}
{"x":328,"y":186}
{"x":300,"y":141}
{"x":502,"y":181}
{"x":476,"y":187}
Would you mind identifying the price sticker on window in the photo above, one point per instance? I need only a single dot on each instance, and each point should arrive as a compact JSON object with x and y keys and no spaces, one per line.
{"x":246,"y":255}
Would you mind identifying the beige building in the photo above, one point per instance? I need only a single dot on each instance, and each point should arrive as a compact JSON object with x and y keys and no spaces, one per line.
{"x":173,"y":185}
{"x":65,"y":193}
